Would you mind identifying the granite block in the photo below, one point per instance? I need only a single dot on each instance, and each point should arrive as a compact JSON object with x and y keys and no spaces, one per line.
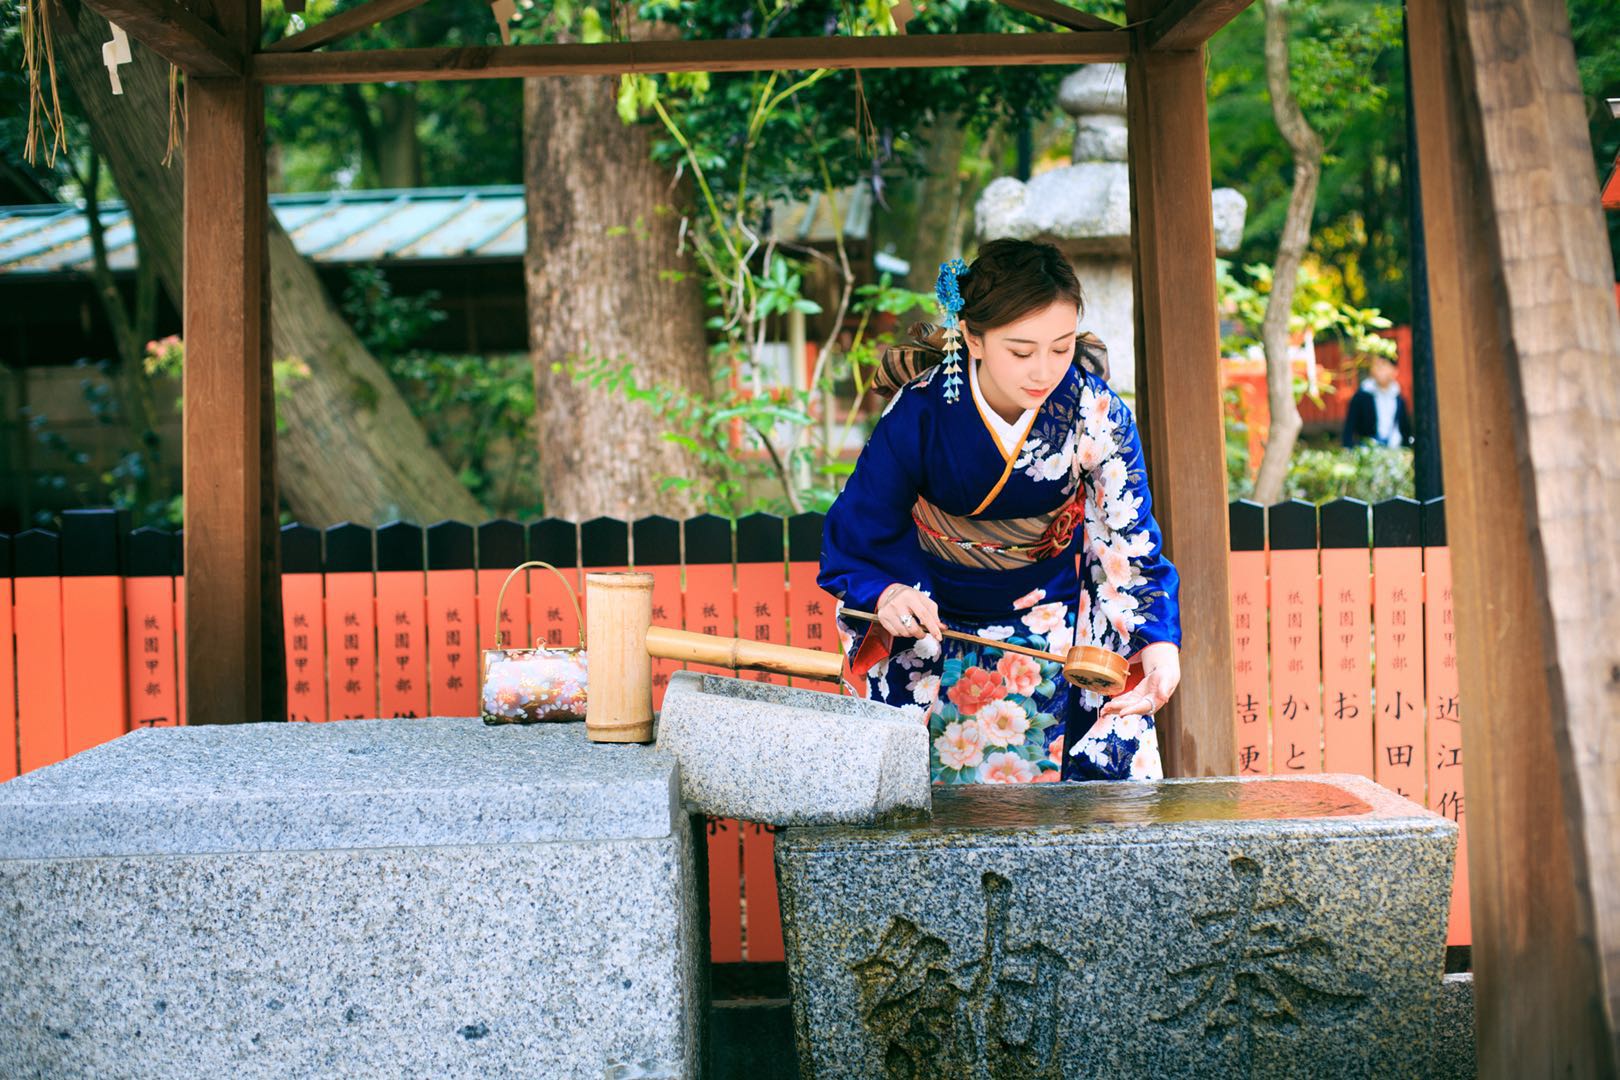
{"x":1454,"y":1051}
{"x":451,"y":916}
{"x":1267,"y":927}
{"x":786,"y":756}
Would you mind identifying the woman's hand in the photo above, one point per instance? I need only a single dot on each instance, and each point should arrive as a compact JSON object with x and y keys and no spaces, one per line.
{"x":1161,"y":674}
{"x":905,"y":612}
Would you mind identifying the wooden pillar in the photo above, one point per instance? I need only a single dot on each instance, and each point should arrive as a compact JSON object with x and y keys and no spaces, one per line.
{"x":1526,"y":343}
{"x":232,"y":584}
{"x":1179,"y":386}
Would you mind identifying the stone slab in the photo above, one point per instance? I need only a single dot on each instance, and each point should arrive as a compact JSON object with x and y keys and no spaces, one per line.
{"x":785,"y":756}
{"x":1268,"y":927}
{"x":358,"y":783}
{"x":524,"y":941}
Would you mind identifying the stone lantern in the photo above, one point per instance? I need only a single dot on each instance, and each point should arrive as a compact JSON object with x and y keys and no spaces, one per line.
{"x":1085,"y":209}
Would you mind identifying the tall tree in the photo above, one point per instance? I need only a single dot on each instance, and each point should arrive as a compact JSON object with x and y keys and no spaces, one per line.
{"x":602,"y":242}
{"x":1306,"y":148}
{"x":349,"y":448}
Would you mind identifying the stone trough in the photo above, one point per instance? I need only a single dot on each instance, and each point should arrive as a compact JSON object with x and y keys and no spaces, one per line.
{"x":1269,"y":927}
{"x":782,"y":755}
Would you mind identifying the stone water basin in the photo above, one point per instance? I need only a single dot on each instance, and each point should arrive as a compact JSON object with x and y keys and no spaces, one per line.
{"x":1201,"y":928}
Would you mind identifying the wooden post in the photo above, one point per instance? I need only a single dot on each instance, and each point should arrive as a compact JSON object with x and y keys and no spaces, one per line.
{"x":1526,"y":341}
{"x":1179,"y":386}
{"x":234,"y":668}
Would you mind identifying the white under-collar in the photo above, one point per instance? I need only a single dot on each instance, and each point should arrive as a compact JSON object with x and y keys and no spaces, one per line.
{"x":1009,"y":435}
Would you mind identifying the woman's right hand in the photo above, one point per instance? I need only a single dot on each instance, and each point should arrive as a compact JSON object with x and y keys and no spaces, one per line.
{"x":905,"y":612}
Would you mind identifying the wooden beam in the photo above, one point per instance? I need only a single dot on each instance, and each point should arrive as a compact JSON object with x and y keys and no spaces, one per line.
{"x":1187,"y":24}
{"x":1179,"y":391}
{"x":232,"y":572}
{"x":174,"y":33}
{"x":1060,"y":14}
{"x":343,"y":24}
{"x":764,"y":54}
{"x":1526,"y":340}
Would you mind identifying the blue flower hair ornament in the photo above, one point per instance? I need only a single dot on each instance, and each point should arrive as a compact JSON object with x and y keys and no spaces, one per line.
{"x":949,"y":294}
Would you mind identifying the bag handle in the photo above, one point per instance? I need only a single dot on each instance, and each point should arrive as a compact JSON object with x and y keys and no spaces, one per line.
{"x":500,"y":597}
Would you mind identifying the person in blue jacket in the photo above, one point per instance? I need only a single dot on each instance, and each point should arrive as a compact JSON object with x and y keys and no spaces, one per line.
{"x":1377,"y":411}
{"x":1003,"y":493}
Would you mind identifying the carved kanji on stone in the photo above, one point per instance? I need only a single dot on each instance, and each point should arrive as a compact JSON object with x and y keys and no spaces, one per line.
{"x":994,"y":1015}
{"x":1259,"y":968}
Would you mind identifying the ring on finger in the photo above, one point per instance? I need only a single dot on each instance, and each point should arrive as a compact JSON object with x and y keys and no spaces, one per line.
{"x":906,"y":620}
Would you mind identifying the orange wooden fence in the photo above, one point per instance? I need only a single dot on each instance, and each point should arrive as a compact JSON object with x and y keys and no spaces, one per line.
{"x":1342,"y":633}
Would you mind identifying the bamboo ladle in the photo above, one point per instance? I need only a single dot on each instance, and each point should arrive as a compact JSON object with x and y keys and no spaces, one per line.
{"x":1090,"y":667}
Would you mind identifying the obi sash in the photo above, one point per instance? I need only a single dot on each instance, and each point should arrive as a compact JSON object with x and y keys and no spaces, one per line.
{"x":1009,"y":543}
{"x":997,"y":545}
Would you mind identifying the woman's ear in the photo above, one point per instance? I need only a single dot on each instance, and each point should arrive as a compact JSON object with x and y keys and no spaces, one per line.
{"x":974,"y":342}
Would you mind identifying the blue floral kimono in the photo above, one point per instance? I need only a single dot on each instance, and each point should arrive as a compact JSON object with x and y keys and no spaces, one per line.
{"x":1032,"y":533}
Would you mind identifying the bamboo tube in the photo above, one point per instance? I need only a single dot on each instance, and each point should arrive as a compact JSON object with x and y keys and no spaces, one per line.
{"x":667,"y":644}
{"x":618,"y":611}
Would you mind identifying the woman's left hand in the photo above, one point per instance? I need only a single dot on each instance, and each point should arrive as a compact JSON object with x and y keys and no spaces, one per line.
{"x":1161,"y":674}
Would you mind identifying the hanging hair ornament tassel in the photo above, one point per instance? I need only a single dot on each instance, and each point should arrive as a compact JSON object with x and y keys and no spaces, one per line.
{"x":949,"y":295}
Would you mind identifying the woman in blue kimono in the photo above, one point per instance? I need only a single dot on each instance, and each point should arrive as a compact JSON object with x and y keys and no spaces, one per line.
{"x":1003,"y":494}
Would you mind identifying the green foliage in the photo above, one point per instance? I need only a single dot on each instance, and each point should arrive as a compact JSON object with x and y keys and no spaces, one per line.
{"x":1239,"y":474}
{"x":1595,"y":27}
{"x":477,"y":410}
{"x":1368,"y":472}
{"x":1348,"y":75}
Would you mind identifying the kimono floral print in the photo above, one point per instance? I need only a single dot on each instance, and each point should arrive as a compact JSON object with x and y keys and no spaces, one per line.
{"x":995,"y":716}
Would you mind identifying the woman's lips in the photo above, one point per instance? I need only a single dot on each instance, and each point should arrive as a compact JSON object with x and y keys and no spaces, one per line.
{"x":1037,"y":393}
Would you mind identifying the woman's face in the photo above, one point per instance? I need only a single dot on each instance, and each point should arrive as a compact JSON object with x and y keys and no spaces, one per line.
{"x":1020,"y":364}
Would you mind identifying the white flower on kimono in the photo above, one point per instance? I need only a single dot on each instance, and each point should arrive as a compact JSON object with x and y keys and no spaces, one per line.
{"x":1061,"y":640}
{"x":1129,"y":725}
{"x":924,"y":688}
{"x":1051,"y":467}
{"x":1000,"y":633}
{"x":914,"y":712}
{"x":1003,"y":723}
{"x":1029,"y":599}
{"x":961,"y":746}
{"x":1007,"y":767}
{"x":1139,"y":544}
{"x":926,"y":648}
{"x":1113,"y":477}
{"x":1121,"y":512}
{"x":1145,"y":763}
{"x":1044,"y":618}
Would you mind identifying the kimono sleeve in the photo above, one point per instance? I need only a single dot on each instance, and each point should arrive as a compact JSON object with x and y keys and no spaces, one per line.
{"x":1157,"y":594}
{"x":869,"y":541}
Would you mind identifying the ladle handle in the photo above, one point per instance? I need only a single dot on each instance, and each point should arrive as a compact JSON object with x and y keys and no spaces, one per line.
{"x":1005,"y":646}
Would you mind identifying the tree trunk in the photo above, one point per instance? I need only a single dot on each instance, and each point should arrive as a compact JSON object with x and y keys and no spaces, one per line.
{"x":940,"y":191}
{"x":594,"y":294}
{"x":1306,"y":147}
{"x":350,"y":449}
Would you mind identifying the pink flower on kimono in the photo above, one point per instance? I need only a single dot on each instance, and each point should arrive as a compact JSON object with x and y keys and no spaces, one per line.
{"x":1054,"y":749}
{"x":1003,"y":723}
{"x":1117,"y":565}
{"x":1007,"y":768}
{"x":1045,"y":618}
{"x":1029,"y":599}
{"x":1021,"y":674}
{"x":961,"y":746}
{"x":1092,"y":452}
{"x":974,"y":690}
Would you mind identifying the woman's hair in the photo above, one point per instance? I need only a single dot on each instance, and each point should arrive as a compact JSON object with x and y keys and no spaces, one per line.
{"x":1012,"y":278}
{"x":1009,"y":279}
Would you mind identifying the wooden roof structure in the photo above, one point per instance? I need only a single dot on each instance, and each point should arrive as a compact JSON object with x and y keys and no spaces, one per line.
{"x":1526,"y":340}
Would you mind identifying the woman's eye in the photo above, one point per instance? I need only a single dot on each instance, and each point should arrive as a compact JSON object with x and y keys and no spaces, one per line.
{"x":1060,"y":352}
{"x":1023,"y":355}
